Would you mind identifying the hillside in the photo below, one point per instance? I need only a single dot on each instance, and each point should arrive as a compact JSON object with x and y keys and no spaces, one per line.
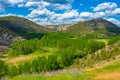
{"x":57,"y":52}
{"x":95,"y":28}
{"x":107,"y":71}
{"x":104,"y":64}
{"x":15,"y":27}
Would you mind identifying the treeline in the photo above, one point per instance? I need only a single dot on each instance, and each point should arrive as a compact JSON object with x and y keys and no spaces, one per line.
{"x":30,"y":46}
{"x":23,"y":47}
{"x":69,"y":50}
{"x":57,"y":40}
{"x":114,"y":39}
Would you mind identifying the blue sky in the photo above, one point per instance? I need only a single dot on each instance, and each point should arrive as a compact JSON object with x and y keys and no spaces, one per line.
{"x":53,"y":12}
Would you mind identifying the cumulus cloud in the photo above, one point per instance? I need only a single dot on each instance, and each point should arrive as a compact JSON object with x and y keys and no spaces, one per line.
{"x":105,"y":6}
{"x":16,"y":1}
{"x":90,"y":15}
{"x":69,"y":14}
{"x":43,"y":13}
{"x":60,"y":1}
{"x":46,"y":12}
{"x":44,"y":4}
{"x":115,"y":21}
{"x":105,"y":9}
{"x":49,"y":1}
{"x":31,"y":4}
{"x":10,"y":14}
{"x":86,"y":14}
{"x":116,"y":11}
{"x":61,"y":6}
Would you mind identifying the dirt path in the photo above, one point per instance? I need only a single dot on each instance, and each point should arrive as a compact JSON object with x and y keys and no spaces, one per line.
{"x":108,"y":76}
{"x":20,"y":59}
{"x":103,"y":63}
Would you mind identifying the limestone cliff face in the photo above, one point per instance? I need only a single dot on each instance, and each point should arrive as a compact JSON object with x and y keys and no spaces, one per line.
{"x":6,"y":36}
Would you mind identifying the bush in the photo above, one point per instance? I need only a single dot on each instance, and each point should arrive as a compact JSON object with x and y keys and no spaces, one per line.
{"x":3,"y":69}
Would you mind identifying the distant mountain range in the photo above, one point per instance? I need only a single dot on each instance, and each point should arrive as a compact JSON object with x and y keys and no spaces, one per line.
{"x":12,"y":28}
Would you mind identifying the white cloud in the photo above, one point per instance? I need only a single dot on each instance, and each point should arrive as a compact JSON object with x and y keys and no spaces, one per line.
{"x":61,"y":6}
{"x":45,"y":11}
{"x":116,"y":11}
{"x":113,"y":20}
{"x":105,"y":6}
{"x":86,"y":14}
{"x":2,"y":15}
{"x":99,"y":14}
{"x":90,"y":15}
{"x":16,"y":1}
{"x":10,"y":14}
{"x":46,"y":16}
{"x":59,"y":1}
{"x":44,"y":4}
{"x":21,"y":5}
{"x":69,"y":14}
{"x":31,"y":4}
{"x":102,"y":10}
{"x":40,"y":12}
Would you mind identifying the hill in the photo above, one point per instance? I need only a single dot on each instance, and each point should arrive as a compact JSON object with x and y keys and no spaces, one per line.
{"x":12,"y":27}
{"x":95,"y":28}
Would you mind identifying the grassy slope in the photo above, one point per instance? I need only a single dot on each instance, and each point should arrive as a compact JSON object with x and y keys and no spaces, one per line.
{"x":50,"y":51}
{"x":24,"y":58}
{"x":107,"y":71}
{"x":21,"y":27}
{"x":97,"y":27}
{"x":18,"y":23}
{"x":102,"y":40}
{"x":12,"y":28}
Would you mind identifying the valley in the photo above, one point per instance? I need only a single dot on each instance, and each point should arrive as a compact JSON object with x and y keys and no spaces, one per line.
{"x":88,"y":50}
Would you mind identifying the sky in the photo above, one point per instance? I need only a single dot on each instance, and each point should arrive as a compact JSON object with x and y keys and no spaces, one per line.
{"x":54,"y":12}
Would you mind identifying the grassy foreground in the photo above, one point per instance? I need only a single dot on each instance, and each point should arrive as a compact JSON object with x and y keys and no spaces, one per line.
{"x":65,"y":76}
{"x":108,"y":71}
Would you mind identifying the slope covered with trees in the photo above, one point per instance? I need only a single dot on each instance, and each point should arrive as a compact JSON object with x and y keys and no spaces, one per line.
{"x":78,"y":54}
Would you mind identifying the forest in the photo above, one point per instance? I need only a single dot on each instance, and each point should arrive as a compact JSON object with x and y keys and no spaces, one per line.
{"x":70,"y":50}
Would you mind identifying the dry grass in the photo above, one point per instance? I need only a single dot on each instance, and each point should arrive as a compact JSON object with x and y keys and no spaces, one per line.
{"x":108,"y":76}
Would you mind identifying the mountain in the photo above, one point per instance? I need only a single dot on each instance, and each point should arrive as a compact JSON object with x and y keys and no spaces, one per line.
{"x":97,"y":27}
{"x":12,"y":28}
{"x":63,"y":27}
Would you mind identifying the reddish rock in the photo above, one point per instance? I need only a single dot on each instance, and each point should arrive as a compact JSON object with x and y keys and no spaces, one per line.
{"x":1,"y":48}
